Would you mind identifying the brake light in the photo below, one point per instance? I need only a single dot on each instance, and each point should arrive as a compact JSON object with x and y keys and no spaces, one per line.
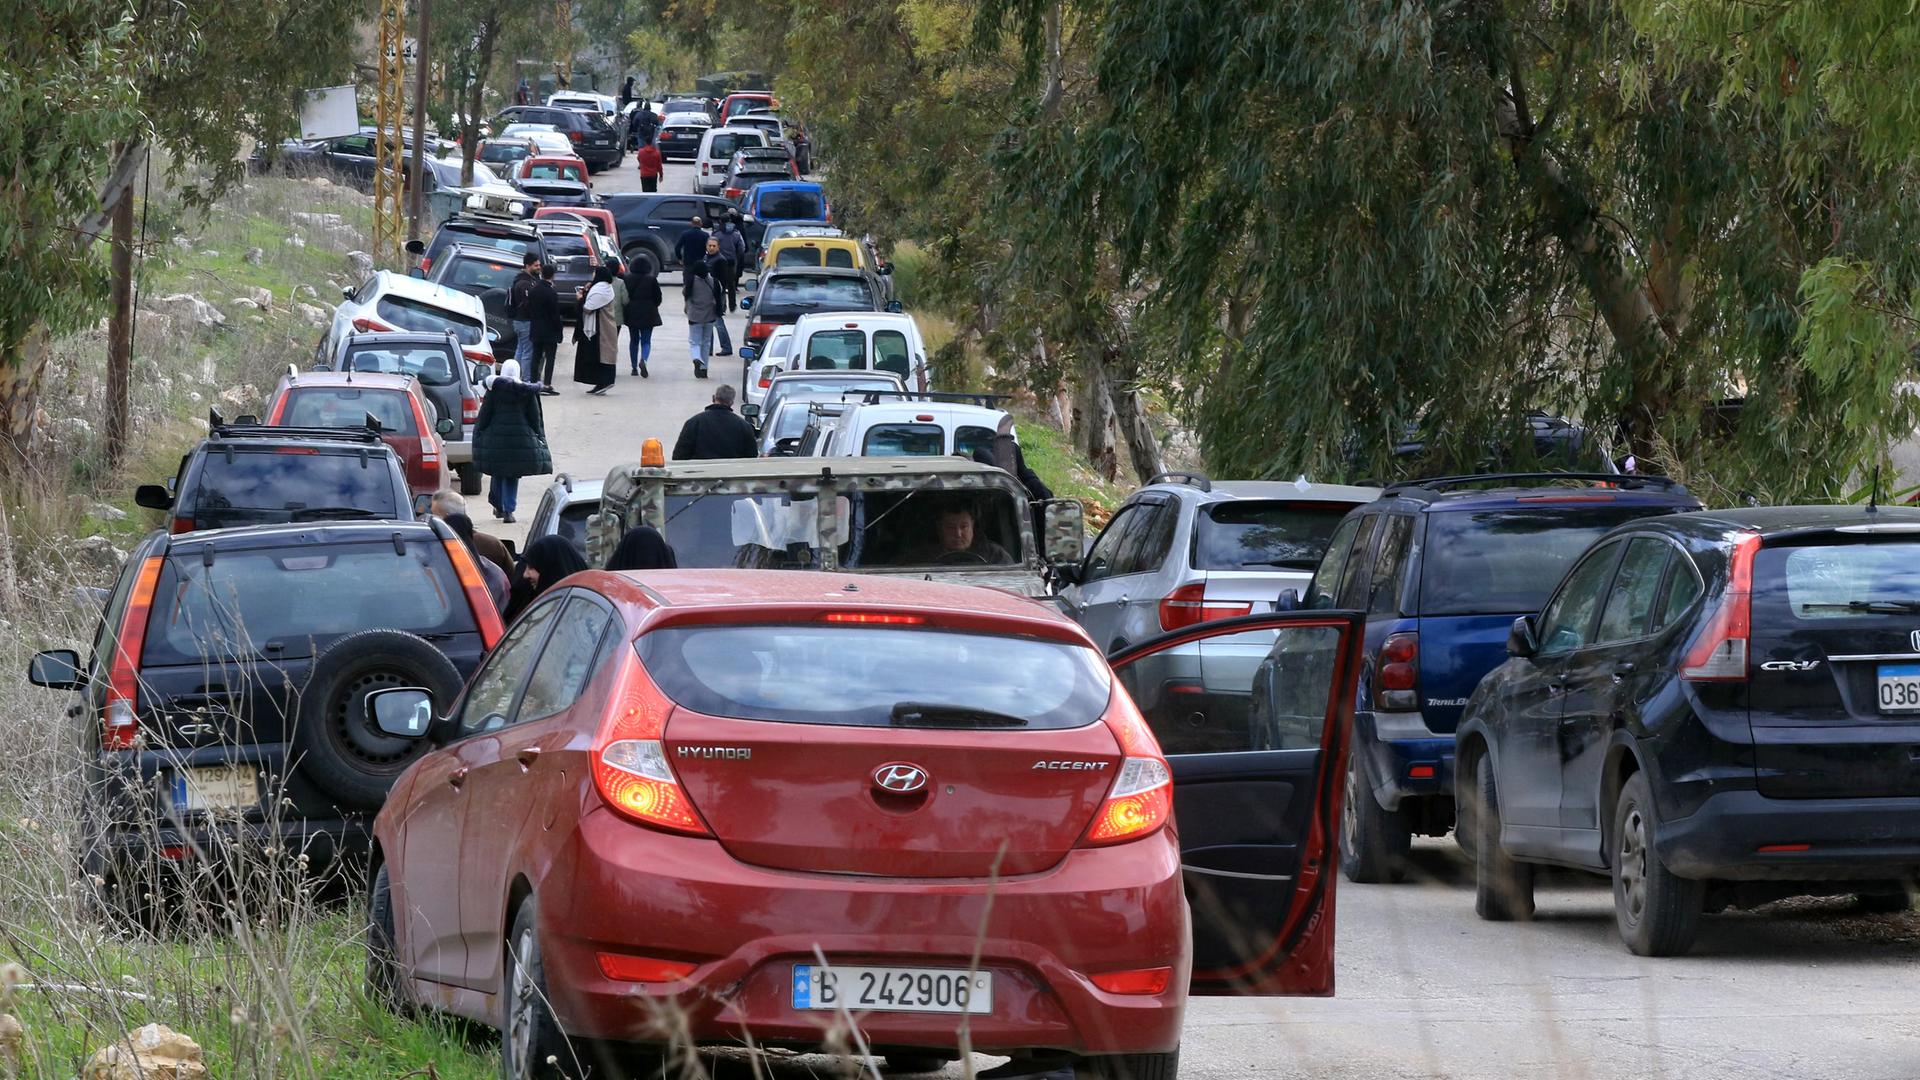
{"x":180,"y":525}
{"x":630,"y":767}
{"x":757,"y":330}
{"x":765,"y":380}
{"x":1141,"y":981}
{"x":119,"y":723}
{"x":478,"y":356}
{"x":1187,"y":606}
{"x":733,"y":193}
{"x":279,"y":410}
{"x":486,"y":617}
{"x":1397,"y":673}
{"x":469,"y":409}
{"x":704,"y":170}
{"x":366,"y":325}
{"x":1719,"y":654}
{"x":425,"y":468}
{"x":573,"y":136}
{"x":872,"y":618}
{"x":643,"y":969}
{"x":1141,"y":799}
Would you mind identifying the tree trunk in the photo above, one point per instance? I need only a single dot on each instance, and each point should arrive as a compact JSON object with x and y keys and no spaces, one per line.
{"x":22,"y":364}
{"x":470,"y":134}
{"x":1093,"y":418}
{"x":1143,"y":450}
{"x":120,"y":333}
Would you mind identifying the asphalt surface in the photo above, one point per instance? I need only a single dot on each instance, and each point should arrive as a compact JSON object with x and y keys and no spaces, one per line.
{"x":1425,"y":989}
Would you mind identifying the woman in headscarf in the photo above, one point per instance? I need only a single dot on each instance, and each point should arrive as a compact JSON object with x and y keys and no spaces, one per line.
{"x":510,"y":437}
{"x":598,"y":335}
{"x":545,"y":562}
{"x":643,"y":548}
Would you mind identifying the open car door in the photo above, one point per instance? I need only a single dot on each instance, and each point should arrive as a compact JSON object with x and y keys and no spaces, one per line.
{"x":1255,"y":715}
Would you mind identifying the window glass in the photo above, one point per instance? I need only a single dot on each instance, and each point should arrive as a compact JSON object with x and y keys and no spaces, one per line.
{"x":262,"y":487}
{"x":1568,"y":623}
{"x":1321,"y":590}
{"x":1840,"y":581}
{"x":1683,"y":588}
{"x":1106,"y":548}
{"x":839,"y":256}
{"x":968,"y":438}
{"x":676,"y":210}
{"x":810,"y":293}
{"x":347,"y":407}
{"x":489,"y":704}
{"x":357,"y":145}
{"x":1629,"y":611}
{"x":837,"y":350}
{"x":1396,"y":540}
{"x":566,"y":664}
{"x":404,"y":314}
{"x":431,"y":364}
{"x":904,"y":440}
{"x":1156,"y":541}
{"x":1353,"y":580}
{"x":1506,"y":561}
{"x":890,"y":352}
{"x":788,"y":203}
{"x":1256,"y":534}
{"x":797,"y":256}
{"x":476,"y":275}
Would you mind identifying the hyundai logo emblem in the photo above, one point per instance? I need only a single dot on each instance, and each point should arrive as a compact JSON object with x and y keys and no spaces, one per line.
{"x":1914,"y":640}
{"x":899,"y":778}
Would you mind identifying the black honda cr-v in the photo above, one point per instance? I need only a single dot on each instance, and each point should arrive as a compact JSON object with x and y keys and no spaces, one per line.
{"x":1717,"y":709}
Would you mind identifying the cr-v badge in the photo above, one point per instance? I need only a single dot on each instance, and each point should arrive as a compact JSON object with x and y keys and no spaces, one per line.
{"x":1790,"y":665}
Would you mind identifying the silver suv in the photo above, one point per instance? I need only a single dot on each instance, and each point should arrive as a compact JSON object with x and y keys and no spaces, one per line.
{"x":1185,"y":549}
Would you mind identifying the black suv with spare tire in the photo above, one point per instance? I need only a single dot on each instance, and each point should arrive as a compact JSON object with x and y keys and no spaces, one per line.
{"x":223,"y":705}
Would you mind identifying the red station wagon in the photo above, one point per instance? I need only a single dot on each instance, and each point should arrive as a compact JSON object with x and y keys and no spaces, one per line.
{"x":343,"y":399}
{"x":752,"y":804}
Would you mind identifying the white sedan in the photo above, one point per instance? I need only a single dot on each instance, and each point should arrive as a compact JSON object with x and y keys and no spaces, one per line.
{"x":549,"y":139}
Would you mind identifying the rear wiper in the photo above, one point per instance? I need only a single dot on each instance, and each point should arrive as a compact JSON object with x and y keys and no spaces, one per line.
{"x":1888,"y":607}
{"x":315,"y":513}
{"x":922,"y":714}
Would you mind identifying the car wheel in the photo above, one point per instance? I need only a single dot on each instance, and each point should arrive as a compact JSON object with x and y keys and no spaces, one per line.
{"x":1657,"y":912}
{"x":1373,"y":840}
{"x":335,"y":741}
{"x":384,"y":981}
{"x":1131,"y":1066}
{"x":1891,"y":900}
{"x":1502,"y":888}
{"x":532,"y":1045}
{"x":470,"y":482}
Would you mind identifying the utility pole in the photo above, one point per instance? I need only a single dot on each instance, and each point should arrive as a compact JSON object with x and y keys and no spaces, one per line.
{"x":420,"y":69}
{"x":120,"y":331}
{"x":389,"y":114}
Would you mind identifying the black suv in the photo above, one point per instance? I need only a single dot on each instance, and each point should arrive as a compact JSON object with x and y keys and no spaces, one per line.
{"x":592,"y":136}
{"x":485,"y":273}
{"x":246,"y":474}
{"x":1717,"y":709}
{"x":650,"y":224}
{"x":224,"y":701}
{"x":511,"y":237}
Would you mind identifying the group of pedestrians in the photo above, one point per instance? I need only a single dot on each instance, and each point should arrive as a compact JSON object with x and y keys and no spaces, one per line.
{"x":710,"y":285}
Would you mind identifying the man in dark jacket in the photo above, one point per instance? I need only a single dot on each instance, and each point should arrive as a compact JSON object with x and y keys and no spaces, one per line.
{"x":543,"y":315}
{"x":523,"y":283}
{"x":692,"y":245}
{"x":715,"y":432}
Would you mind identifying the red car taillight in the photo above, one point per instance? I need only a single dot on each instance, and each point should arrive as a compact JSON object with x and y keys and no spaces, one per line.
{"x":485,"y":616}
{"x":574,"y":136}
{"x":757,"y":330}
{"x":1187,"y":606}
{"x":478,"y":356}
{"x":425,"y":467}
{"x":179,"y":525}
{"x":1719,"y":654}
{"x":1138,"y":981}
{"x":734,"y":192}
{"x":1141,"y":799}
{"x":367,"y":326}
{"x":425,"y":265}
{"x":630,"y":767}
{"x":1398,"y":671}
{"x":469,"y":409}
{"x":119,"y":722}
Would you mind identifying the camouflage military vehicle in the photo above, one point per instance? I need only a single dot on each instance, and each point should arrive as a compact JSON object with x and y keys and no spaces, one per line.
{"x":939,"y":518}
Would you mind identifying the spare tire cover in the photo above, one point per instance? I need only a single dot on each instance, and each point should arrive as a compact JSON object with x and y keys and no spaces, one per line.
{"x":335,"y":742}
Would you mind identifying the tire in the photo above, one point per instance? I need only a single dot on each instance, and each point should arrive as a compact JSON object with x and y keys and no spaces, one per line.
{"x":1130,"y":1067}
{"x":335,"y":743}
{"x":470,"y":482}
{"x":1502,"y":888}
{"x":1658,"y":913}
{"x":1373,"y":840}
{"x":385,"y":984}
{"x":1893,"y":900}
{"x":529,"y":1032}
{"x":905,"y":1064}
{"x":644,"y":256}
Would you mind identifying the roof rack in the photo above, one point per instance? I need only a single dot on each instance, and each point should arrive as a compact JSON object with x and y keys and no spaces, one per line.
{"x":249,"y":427}
{"x":873,"y":397}
{"x":1628,"y":481}
{"x":1191,"y":479}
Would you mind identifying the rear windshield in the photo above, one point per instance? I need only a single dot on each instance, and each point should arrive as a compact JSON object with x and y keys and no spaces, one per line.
{"x":1507,"y":561}
{"x":821,"y":293}
{"x":431,"y":364}
{"x":1259,"y":535}
{"x":281,"y":602}
{"x":572,"y":523}
{"x":791,"y":204}
{"x":545,"y":171}
{"x":724,"y":145}
{"x":859,"y":676}
{"x":566,"y":245}
{"x":405,"y":314}
{"x":869,"y":529}
{"x":295,"y":484}
{"x":684,"y":106}
{"x":797,"y":256}
{"x":1840,"y":581}
{"x":904,"y":440}
{"x":515,"y":247}
{"x":469,"y":275}
{"x":347,"y":407}
{"x":837,"y":350}
{"x":504,"y":153}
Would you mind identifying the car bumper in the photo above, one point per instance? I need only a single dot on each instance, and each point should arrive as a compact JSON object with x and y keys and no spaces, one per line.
{"x":459,"y":453}
{"x":324,"y":843}
{"x":746,"y":927}
{"x":1400,"y":758}
{"x":1844,"y":839}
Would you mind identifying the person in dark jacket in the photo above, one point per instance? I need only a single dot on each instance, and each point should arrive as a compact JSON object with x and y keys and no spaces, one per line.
{"x":733,"y":244}
{"x":545,"y":563}
{"x":510,"y":438}
{"x":642,"y":314}
{"x":496,"y":578}
{"x":523,"y":283}
{"x":725,"y":274}
{"x":543,"y":315}
{"x":692,"y":246}
{"x":643,"y":548}
{"x":701,"y":302}
{"x":715,"y":432}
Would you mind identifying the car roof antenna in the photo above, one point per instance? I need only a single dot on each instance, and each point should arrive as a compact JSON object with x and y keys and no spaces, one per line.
{"x":1873,"y":493}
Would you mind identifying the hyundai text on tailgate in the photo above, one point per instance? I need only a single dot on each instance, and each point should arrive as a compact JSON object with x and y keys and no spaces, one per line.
{"x":726,"y":805}
{"x":1717,"y":709}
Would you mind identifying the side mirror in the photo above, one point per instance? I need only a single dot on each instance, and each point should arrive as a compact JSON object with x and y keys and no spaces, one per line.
{"x":896,"y":307}
{"x":404,"y":712}
{"x":346,"y":292}
{"x":1289,"y":600}
{"x":1522,"y":640}
{"x":56,"y":669}
{"x":444,"y":426}
{"x":477,"y":373}
{"x":746,"y":303}
{"x":747,"y":352}
{"x":1065,"y":525}
{"x":1067,"y":573}
{"x":416,"y":247}
{"x":750,"y":411}
{"x":153,"y":497}
{"x":886,"y":269}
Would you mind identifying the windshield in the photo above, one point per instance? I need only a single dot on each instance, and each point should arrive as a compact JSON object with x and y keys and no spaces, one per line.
{"x":566,"y":245}
{"x":1507,"y":561}
{"x":725,"y":144}
{"x":347,"y":407}
{"x":1825,"y":582}
{"x":478,"y":275}
{"x":261,"y":486}
{"x":431,"y":364}
{"x":858,"y":676}
{"x":404,"y":314}
{"x":1257,"y":535}
{"x":791,"y":204}
{"x":817,"y":293}
{"x":550,"y":171}
{"x":786,"y":388}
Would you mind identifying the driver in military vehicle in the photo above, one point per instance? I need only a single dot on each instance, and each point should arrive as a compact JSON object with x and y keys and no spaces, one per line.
{"x":956,"y":540}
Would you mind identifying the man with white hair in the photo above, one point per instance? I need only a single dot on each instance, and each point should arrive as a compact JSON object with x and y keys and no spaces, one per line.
{"x":490,"y":548}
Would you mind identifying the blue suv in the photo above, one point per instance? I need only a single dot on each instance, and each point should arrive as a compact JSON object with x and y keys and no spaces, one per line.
{"x":1442,"y":567}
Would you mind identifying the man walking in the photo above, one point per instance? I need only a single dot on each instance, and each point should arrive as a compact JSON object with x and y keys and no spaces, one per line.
{"x":733,"y":244}
{"x":652,"y":166}
{"x":715,"y":432}
{"x":543,"y":315}
{"x":702,"y":299}
{"x":724,"y":274}
{"x":692,"y":245}
{"x":523,"y":283}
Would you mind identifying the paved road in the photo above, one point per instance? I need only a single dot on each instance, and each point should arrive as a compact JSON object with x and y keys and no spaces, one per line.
{"x":1425,"y":988}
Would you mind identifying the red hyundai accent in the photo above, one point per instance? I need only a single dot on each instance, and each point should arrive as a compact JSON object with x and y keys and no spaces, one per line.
{"x":719,"y":806}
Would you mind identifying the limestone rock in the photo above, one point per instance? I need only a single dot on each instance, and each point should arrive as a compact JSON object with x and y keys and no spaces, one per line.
{"x":97,"y":552}
{"x":154,"y":1052}
{"x":359,"y":264}
{"x":190,"y":308}
{"x":255,"y":256}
